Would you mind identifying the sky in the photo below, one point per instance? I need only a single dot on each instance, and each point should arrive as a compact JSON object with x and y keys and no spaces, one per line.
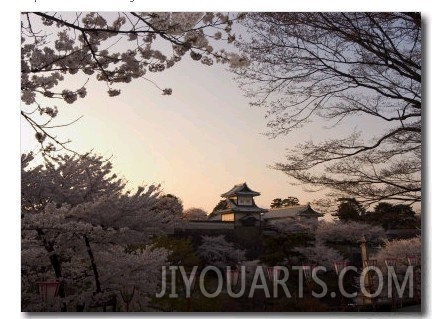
{"x":14,"y":136}
{"x":197,"y":143}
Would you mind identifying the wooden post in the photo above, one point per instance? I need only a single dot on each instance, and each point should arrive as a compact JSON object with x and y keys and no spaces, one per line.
{"x":364,"y":256}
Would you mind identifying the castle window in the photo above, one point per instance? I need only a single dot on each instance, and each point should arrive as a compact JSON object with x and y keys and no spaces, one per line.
{"x":245,"y":200}
{"x":228,"y":217}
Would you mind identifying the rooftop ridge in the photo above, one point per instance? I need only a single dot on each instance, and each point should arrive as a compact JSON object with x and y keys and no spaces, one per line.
{"x":287,"y":207}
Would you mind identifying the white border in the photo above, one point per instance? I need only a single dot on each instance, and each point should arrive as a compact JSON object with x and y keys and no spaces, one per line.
{"x":10,"y":128}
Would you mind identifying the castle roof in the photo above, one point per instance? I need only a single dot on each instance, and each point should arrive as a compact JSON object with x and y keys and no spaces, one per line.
{"x":240,"y":189}
{"x":232,"y":207}
{"x":292,"y":211}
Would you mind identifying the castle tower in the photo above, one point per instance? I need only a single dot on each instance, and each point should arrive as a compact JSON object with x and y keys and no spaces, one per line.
{"x":240,"y":207}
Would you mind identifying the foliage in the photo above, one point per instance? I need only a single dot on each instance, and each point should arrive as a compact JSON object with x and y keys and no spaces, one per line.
{"x":349,"y":209}
{"x":391,"y":216}
{"x":336,"y":67}
{"x":116,"y":48}
{"x":172,"y":204}
{"x":297,"y":242}
{"x":294,"y":225}
{"x":400,"y":250}
{"x":181,"y":250}
{"x":286,"y":202}
{"x":386,"y":215}
{"x":283,"y":248}
{"x":348,"y":232}
{"x":320,"y":255}
{"x":69,"y":179}
{"x":217,"y":251}
{"x":195,"y":214}
{"x":276,"y":203}
{"x":79,"y":226}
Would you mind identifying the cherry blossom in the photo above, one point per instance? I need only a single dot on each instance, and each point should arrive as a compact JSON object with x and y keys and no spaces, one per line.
{"x":115,"y":48}
{"x":217,"y":251}
{"x":81,"y":227}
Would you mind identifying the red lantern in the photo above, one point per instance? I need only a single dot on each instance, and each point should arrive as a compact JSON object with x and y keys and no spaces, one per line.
{"x":48,"y":289}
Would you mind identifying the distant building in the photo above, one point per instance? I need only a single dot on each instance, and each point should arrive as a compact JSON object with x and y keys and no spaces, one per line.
{"x":241,"y":208}
{"x":241,"y":221}
{"x":297,"y":218}
{"x":298,"y":212}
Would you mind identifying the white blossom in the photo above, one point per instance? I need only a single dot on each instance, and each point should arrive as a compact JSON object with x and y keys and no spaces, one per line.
{"x":28,"y":97}
{"x":113,"y":92}
{"x":69,"y":96}
{"x":208,"y":17}
{"x":206,"y":60}
{"x":82,"y":92}
{"x":40,"y":137}
{"x":237,"y":61}
{"x":167,"y":91}
{"x":64,"y":43}
{"x":196,"y":56}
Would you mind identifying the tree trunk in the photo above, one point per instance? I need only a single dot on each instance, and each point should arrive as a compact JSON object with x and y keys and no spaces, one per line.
{"x":93,"y":264}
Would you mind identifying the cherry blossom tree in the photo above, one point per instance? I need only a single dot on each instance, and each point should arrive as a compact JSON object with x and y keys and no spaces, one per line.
{"x":115,"y":48}
{"x":217,"y":251}
{"x":294,"y":225}
{"x":172,"y":205}
{"x":320,"y":254}
{"x":285,"y":247}
{"x":317,"y":242}
{"x":348,"y":232}
{"x":301,"y":243}
{"x":79,"y":226}
{"x":194,"y":213}
{"x":399,"y":251}
{"x":67,"y":179}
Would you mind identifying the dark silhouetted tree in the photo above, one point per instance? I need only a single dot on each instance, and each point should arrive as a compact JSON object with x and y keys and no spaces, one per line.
{"x":335,"y":67}
{"x":349,"y":209}
{"x":391,"y":216}
{"x":290,"y":201}
{"x":181,"y":250}
{"x":286,"y":202}
{"x":276,"y":203}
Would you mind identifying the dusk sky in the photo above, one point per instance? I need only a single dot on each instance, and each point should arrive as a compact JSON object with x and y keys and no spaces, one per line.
{"x":197,"y":143}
